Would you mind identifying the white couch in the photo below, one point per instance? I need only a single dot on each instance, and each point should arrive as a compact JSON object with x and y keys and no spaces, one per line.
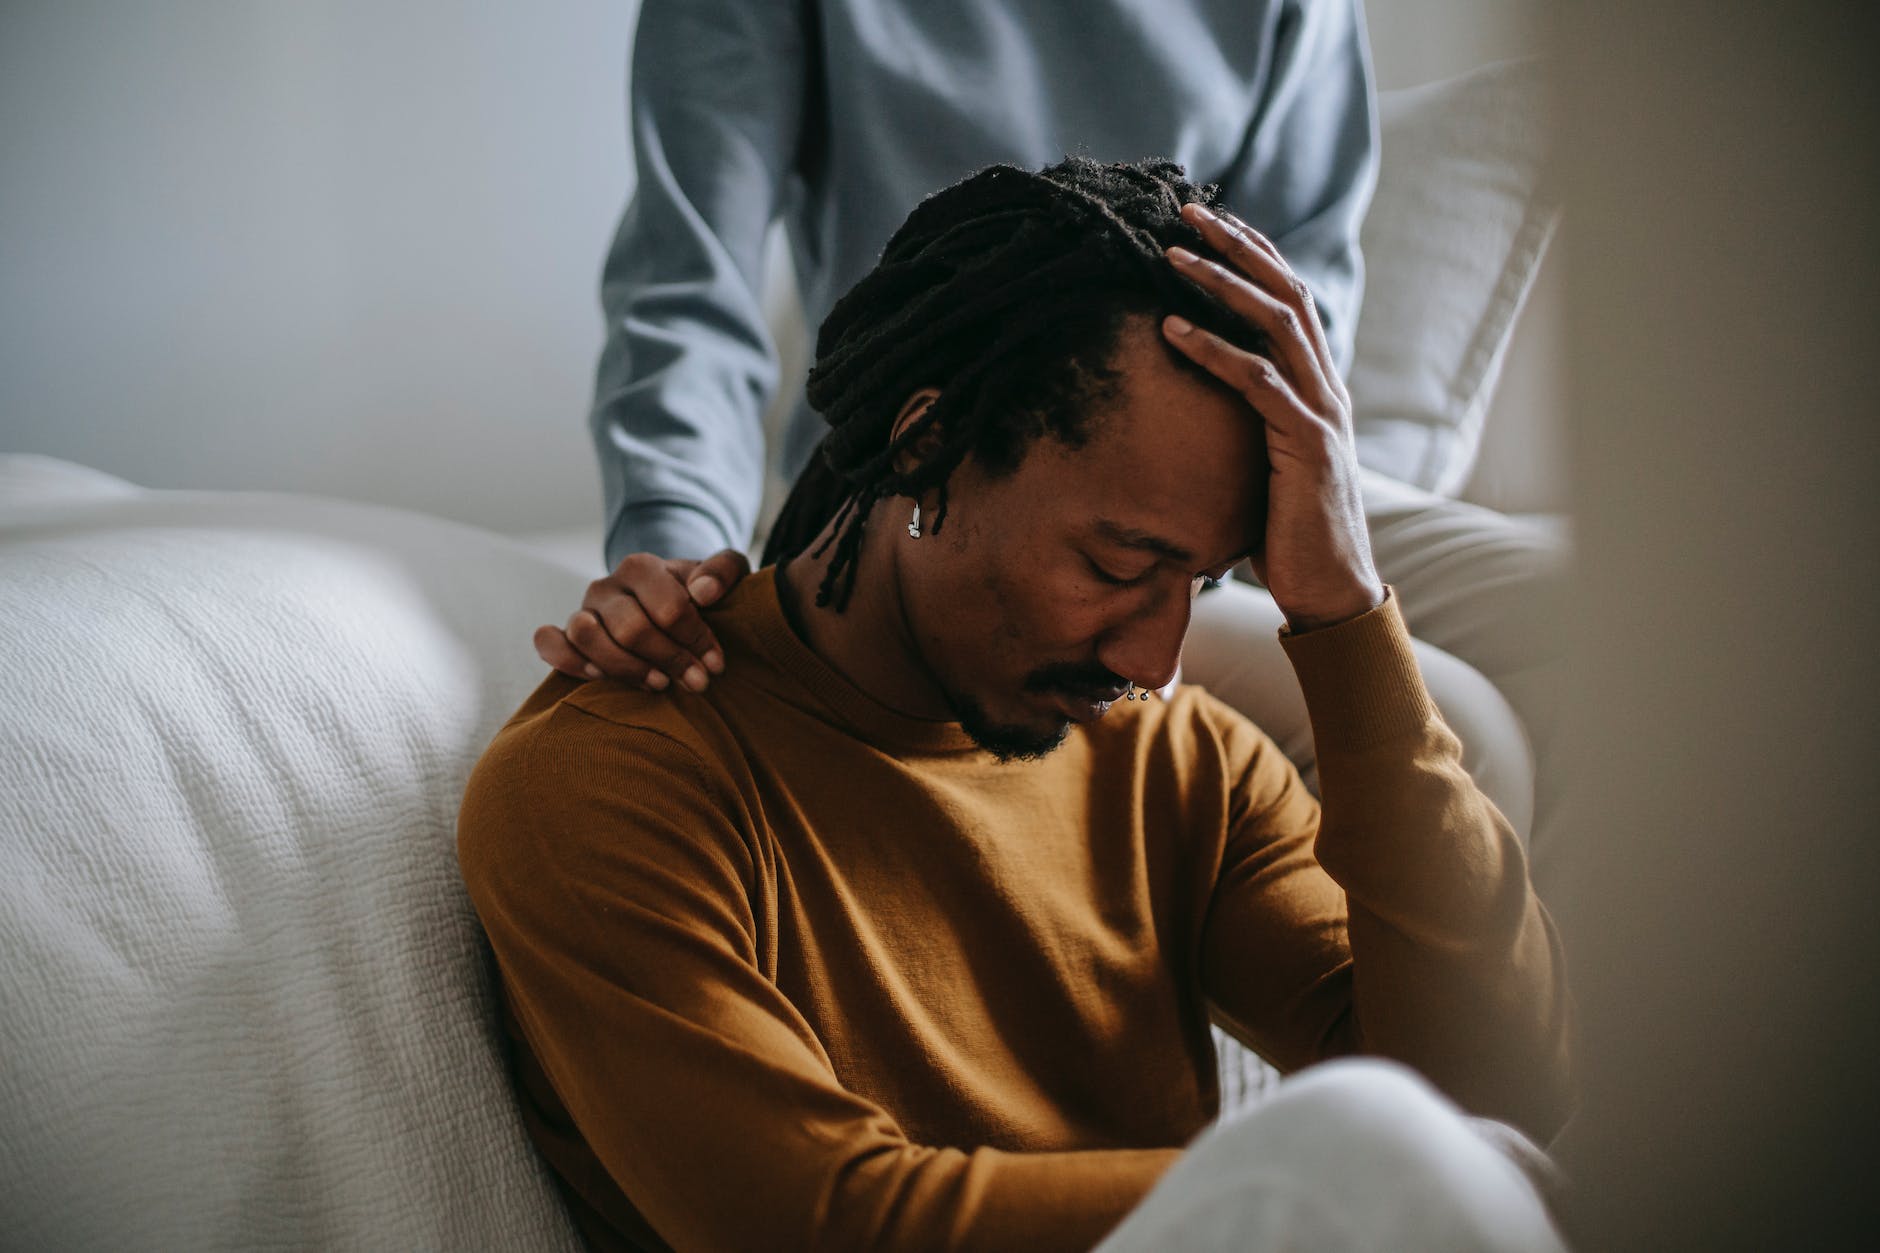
{"x":244,"y":1002}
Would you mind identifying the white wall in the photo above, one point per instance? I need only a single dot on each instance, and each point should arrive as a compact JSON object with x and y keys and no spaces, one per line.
{"x":351,"y":247}
{"x":345,"y":247}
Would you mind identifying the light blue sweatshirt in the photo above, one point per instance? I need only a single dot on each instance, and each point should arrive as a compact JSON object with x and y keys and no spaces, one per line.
{"x":840,"y":115}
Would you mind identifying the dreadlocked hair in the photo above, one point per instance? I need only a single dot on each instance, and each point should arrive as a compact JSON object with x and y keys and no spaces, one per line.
{"x":1005,"y":293}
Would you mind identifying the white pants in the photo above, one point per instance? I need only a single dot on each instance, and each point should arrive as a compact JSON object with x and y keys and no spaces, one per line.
{"x":1349,"y":1156}
{"x":1484,"y":595}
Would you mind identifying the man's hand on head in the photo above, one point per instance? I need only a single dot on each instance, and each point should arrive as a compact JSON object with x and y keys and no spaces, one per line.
{"x":642,"y":623}
{"x":1316,"y":560}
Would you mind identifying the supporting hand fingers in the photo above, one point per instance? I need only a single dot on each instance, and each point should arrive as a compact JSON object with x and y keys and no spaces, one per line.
{"x":674,"y":623}
{"x":553,"y":646}
{"x":645,"y":607}
{"x":625,"y":624}
{"x":612,"y":645}
{"x":707,"y":581}
{"x":716,"y":575}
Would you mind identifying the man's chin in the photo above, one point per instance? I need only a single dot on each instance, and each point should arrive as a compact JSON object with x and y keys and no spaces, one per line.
{"x":1009,"y":742}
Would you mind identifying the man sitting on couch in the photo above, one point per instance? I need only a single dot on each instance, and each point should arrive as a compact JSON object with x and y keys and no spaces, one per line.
{"x":907,"y":933}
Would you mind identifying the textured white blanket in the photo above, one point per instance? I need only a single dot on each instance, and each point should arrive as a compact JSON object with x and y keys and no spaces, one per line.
{"x":244,"y":1002}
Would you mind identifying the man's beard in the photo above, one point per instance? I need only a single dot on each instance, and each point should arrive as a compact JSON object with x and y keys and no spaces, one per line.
{"x":1009,"y":743}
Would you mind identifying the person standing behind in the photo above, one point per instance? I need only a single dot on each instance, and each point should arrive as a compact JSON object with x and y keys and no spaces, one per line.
{"x":838,"y":117}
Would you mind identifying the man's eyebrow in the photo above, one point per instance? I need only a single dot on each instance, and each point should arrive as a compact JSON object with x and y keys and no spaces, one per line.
{"x":1130,"y":537}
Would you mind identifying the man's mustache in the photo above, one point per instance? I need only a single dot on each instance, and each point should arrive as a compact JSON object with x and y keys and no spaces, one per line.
{"x":1082,"y":680}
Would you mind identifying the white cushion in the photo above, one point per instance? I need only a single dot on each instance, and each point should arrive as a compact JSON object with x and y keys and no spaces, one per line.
{"x":245,"y":999}
{"x":1452,"y":242}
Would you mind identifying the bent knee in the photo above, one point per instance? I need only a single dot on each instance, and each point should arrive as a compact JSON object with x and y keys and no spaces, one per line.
{"x":1372,"y":1129}
{"x":1361,"y":1097}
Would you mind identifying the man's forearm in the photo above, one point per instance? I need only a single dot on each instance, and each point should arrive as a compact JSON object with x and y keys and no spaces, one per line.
{"x":1456,"y":966}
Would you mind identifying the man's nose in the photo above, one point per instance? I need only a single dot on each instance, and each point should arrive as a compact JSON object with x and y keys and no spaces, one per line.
{"x":1146,"y":648}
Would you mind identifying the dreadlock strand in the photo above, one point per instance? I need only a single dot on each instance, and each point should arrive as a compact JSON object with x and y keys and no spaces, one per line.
{"x":849,"y":508}
{"x":848,"y":544}
{"x":856,"y":365}
{"x":858,"y":369}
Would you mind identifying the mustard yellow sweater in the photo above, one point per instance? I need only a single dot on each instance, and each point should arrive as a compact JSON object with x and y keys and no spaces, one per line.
{"x":787,"y":970}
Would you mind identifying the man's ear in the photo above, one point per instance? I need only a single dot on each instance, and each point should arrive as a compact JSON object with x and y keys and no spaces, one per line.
{"x":928,"y":443}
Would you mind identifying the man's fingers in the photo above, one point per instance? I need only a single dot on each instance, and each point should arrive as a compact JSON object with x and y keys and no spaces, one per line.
{"x":1257,"y":379}
{"x":1302,"y":293}
{"x":1284,"y":325}
{"x":1260,"y":259}
{"x":1248,"y":251}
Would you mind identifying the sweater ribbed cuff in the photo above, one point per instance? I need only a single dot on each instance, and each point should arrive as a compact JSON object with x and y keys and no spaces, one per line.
{"x":1360,"y":679}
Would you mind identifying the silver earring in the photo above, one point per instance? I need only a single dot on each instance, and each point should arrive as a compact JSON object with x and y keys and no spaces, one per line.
{"x":913,"y":527}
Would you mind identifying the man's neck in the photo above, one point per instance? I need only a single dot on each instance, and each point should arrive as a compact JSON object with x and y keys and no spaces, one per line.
{"x":870,"y":642}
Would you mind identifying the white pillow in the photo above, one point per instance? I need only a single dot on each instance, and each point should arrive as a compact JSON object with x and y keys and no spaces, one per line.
{"x":244,"y":1002}
{"x":1453,"y":239}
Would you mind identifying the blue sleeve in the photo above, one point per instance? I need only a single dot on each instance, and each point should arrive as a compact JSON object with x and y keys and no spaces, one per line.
{"x":716,"y":106}
{"x":1305,"y":174}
